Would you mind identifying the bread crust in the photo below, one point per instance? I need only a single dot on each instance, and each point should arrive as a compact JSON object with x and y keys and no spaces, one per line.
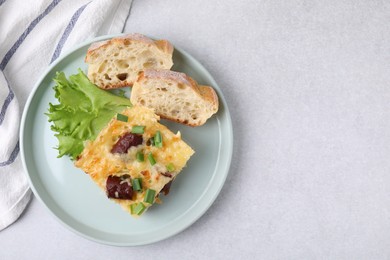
{"x":209,"y":94}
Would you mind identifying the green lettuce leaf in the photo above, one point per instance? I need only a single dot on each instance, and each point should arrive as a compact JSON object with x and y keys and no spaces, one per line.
{"x":83,"y":111}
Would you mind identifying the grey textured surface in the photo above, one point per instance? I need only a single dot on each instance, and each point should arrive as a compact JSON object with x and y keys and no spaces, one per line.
{"x":308,"y":87}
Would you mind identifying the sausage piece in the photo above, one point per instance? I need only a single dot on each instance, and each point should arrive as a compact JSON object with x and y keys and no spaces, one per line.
{"x":119,"y":187}
{"x":166,"y":188}
{"x":125,"y":142}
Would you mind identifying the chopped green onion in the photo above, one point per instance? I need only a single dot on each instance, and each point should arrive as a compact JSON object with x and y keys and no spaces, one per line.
{"x":158,"y":139}
{"x":151,"y":159}
{"x":170,"y":167}
{"x":138,"y":209}
{"x":149,"y":196}
{"x":138,"y":129}
{"x":132,"y":208}
{"x":121,"y":117}
{"x":137,"y":184}
{"x":140,"y":156}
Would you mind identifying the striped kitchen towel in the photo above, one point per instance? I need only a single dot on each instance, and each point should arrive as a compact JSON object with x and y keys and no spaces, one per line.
{"x":32,"y":35}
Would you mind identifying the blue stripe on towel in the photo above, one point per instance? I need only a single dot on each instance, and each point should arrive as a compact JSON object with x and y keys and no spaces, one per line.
{"x":2,"y":2}
{"x":13,"y":156}
{"x":7,"y":101}
{"x":22,"y":37}
{"x":67,"y":32}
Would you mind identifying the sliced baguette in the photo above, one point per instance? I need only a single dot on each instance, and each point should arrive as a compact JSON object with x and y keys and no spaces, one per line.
{"x":174,"y":96}
{"x":116,"y":62}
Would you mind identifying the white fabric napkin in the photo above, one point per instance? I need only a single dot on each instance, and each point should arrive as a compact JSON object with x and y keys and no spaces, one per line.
{"x":32,"y":35}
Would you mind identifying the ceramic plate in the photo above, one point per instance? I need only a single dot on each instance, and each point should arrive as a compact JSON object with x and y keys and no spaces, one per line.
{"x":78,"y":203}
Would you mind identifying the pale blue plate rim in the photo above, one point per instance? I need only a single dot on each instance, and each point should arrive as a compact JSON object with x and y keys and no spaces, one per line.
{"x":187,"y":218}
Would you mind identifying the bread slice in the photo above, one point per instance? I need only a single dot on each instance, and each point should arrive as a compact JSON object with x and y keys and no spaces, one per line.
{"x":175,"y":96}
{"x":116,"y":62}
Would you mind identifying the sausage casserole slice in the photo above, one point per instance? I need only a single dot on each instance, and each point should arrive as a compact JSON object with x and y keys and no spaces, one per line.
{"x":134,"y":159}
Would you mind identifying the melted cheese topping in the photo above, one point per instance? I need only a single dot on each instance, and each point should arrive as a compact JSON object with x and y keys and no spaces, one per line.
{"x":98,"y":161}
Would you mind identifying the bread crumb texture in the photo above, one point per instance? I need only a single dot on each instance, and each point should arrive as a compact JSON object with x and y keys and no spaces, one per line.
{"x":175,"y":96}
{"x":116,"y":62}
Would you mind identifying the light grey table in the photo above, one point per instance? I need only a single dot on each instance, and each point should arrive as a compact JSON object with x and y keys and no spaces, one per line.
{"x":308,"y":87}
